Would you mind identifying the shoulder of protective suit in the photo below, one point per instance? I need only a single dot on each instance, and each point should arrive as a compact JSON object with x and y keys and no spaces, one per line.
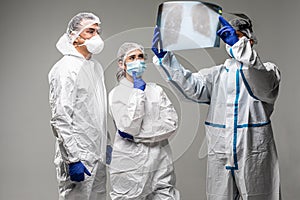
{"x":270,"y":65}
{"x":67,"y":67}
{"x":110,"y":94}
{"x":154,"y":86}
{"x":117,"y":88}
{"x":211,"y":71}
{"x":96,"y":61}
{"x":273,"y":67}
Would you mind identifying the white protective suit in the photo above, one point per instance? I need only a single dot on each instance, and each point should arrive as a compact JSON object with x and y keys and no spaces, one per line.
{"x":242,"y":156}
{"x":78,"y":104}
{"x":143,"y":168}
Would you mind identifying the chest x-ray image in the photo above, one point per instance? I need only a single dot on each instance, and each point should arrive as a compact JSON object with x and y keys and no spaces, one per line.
{"x":188,"y":25}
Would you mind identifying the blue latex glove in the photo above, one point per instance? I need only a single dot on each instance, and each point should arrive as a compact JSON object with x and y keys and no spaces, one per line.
{"x":109,"y":150}
{"x":138,"y":82}
{"x":77,"y":170}
{"x":155,"y":41}
{"x":227,"y":32}
{"x":125,"y":135}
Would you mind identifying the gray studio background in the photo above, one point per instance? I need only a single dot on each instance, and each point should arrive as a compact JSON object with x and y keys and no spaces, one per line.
{"x":29,"y":32}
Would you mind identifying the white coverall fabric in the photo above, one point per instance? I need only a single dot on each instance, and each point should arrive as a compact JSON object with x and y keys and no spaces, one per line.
{"x":78,"y":107}
{"x":143,"y":168}
{"x":242,"y":156}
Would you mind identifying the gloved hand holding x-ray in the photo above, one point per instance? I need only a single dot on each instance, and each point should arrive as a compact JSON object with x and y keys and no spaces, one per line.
{"x":156,"y":43}
{"x":227,"y":33}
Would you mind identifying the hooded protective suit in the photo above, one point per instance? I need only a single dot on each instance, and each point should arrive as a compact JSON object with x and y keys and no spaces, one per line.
{"x":78,"y":105}
{"x":242,"y":158}
{"x":143,"y":168}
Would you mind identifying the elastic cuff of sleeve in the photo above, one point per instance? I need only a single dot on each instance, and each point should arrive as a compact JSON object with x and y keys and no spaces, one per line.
{"x":125,"y":135}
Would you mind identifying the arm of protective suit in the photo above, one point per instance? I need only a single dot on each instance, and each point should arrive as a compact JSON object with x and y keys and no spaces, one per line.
{"x":194,"y":86}
{"x":162,"y":121}
{"x":62,"y":95}
{"x":262,"y":79}
{"x":128,"y":112}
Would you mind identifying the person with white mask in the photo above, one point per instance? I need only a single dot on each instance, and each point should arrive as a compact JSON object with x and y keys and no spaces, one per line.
{"x":142,"y":166}
{"x":78,"y":112}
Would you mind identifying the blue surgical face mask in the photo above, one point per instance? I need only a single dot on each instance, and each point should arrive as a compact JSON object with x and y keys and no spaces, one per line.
{"x":137,"y":66}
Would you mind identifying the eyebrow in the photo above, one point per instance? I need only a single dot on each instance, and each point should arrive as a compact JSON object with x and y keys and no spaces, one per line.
{"x":92,"y":29}
{"x":140,"y":54}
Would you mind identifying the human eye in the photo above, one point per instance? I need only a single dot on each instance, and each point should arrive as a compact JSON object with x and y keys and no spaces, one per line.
{"x":91,"y":30}
{"x":131,"y":57}
{"x":141,"y":56}
{"x":98,"y":30}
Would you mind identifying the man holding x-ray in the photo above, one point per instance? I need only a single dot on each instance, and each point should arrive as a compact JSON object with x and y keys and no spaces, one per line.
{"x":241,"y":93}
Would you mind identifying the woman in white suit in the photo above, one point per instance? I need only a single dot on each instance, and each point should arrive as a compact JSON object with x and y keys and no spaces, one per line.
{"x":142,"y":166}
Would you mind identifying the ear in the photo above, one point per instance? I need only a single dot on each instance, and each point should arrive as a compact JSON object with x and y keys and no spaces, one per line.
{"x":75,"y":43}
{"x":120,"y":63}
{"x":78,"y":41}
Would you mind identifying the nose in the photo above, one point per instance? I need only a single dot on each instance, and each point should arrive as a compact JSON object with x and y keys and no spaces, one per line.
{"x":95,"y":33}
{"x":251,"y":42}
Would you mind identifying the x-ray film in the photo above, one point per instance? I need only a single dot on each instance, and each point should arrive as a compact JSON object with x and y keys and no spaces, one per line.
{"x":188,"y":25}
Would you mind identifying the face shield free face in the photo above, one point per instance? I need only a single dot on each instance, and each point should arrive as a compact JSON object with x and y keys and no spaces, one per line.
{"x":80,"y":22}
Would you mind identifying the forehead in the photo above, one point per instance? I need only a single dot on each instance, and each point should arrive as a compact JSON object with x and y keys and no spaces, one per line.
{"x":93,"y":26}
{"x":134,"y":52}
{"x":239,"y":33}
